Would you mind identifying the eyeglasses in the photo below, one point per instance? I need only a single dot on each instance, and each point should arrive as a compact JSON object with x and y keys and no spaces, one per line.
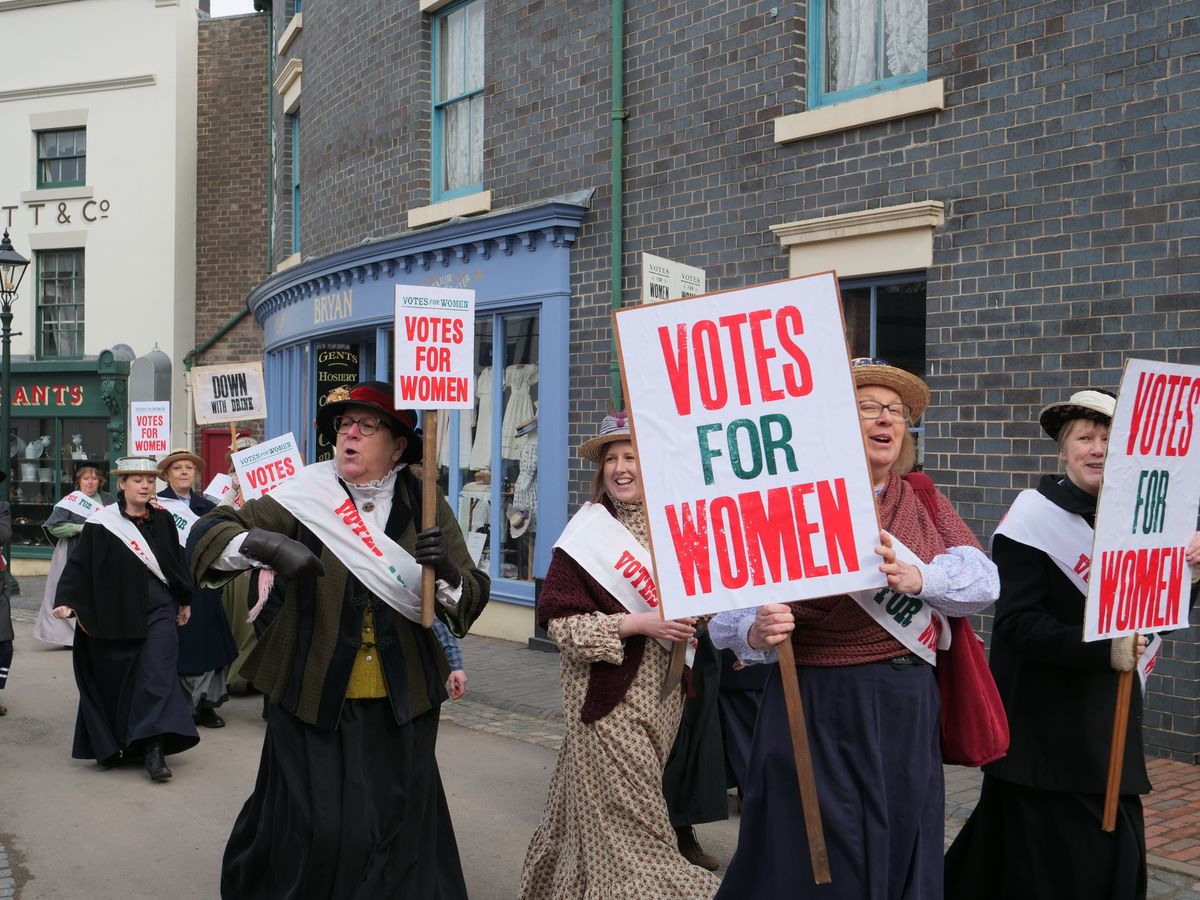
{"x":872,"y":409}
{"x":367,"y":425}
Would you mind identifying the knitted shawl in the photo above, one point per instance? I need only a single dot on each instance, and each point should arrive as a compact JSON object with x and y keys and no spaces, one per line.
{"x":836,"y":631}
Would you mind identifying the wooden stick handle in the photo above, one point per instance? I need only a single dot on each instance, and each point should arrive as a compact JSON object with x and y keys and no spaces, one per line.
{"x":674,"y":669}
{"x":428,"y":508}
{"x":1116,"y":754}
{"x":804,"y":770}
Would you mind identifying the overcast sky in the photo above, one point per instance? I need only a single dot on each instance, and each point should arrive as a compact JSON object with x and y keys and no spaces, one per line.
{"x":231,"y":7}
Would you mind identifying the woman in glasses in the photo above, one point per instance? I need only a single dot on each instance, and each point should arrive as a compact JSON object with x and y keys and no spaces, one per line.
{"x":349,"y":800}
{"x":870,"y":697}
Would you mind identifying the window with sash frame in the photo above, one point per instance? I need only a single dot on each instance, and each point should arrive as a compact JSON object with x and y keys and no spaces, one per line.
{"x":862,"y":47}
{"x":458,"y":101}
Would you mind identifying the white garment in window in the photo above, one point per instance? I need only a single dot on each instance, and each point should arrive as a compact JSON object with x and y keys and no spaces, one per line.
{"x":481,"y":449}
{"x":519,"y":408}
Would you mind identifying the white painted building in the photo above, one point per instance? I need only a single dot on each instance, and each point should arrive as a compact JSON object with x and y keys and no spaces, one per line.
{"x":98,"y":189}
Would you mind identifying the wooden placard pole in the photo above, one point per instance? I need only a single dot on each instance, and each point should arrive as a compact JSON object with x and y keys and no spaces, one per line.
{"x":1116,"y":754}
{"x":428,"y":508}
{"x":674,"y":668}
{"x":232,"y":441}
{"x":804,"y":770}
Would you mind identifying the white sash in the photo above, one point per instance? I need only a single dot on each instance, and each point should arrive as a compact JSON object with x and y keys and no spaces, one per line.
{"x":79,"y":503}
{"x":910,"y":620}
{"x":110,"y":518}
{"x":182,"y":513}
{"x":609,"y":552}
{"x":314,"y":496}
{"x":1065,"y":537}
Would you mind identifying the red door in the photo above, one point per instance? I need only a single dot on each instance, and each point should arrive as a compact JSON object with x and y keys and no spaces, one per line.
{"x":214,"y":447}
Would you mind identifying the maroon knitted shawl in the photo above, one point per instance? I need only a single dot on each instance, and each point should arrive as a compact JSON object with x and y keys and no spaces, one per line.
{"x":570,"y":591}
{"x":835,"y":631}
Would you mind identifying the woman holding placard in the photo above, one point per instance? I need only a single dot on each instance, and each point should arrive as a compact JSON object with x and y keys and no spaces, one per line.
{"x":605,"y":829}
{"x":64,"y":524}
{"x":1036,"y":831}
{"x":869,"y":693}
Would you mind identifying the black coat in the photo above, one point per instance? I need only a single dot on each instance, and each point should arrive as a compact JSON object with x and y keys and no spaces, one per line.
{"x":1059,"y":692}
{"x":106,"y":584}
{"x":206,"y":642}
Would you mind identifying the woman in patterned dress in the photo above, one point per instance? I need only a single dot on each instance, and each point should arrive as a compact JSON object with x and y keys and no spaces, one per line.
{"x":605,"y":832}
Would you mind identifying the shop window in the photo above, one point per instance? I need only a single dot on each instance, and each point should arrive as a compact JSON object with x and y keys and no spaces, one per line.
{"x":885,"y":319}
{"x":863,"y":47}
{"x":46,"y":451}
{"x":62,"y":158}
{"x":295,"y":131}
{"x":60,"y":303}
{"x":458,"y":123}
{"x":488,"y":457}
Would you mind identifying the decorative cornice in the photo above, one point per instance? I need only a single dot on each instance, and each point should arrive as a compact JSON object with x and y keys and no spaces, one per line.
{"x":553,"y":223}
{"x":925,"y":214}
{"x":288,"y":74}
{"x":79,"y":87}
{"x":6,"y":5}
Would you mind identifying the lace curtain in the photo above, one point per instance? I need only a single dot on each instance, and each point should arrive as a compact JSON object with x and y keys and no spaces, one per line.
{"x":461,"y":53}
{"x":852,"y":35}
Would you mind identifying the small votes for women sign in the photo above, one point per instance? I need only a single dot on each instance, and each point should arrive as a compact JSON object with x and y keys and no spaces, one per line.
{"x":435,"y":347}
{"x":751,"y":453}
{"x":267,"y":465}
{"x":1138,"y":579}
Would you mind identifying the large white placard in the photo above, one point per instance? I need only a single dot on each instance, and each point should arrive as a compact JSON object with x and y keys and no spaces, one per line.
{"x":1139,"y":580}
{"x":751,"y":452}
{"x":435,"y":347}
{"x":233,"y":393}
{"x":267,"y":465}
{"x":149,"y":428}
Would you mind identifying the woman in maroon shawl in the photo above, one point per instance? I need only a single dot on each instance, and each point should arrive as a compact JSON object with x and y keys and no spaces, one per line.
{"x":871,"y":702}
{"x":605,"y":829}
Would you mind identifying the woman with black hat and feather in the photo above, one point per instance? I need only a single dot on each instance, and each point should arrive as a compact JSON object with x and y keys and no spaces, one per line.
{"x":349,"y":801}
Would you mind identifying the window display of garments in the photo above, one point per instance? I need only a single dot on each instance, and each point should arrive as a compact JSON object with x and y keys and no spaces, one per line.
{"x":466,"y":420}
{"x":519,"y":409}
{"x":522,"y":512}
{"x":474,"y":507}
{"x":481,"y":449}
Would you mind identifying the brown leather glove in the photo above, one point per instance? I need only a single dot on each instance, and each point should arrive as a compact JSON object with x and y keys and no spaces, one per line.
{"x":289,"y":558}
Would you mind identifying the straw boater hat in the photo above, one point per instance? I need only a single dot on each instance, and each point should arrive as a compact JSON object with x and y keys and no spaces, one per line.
{"x":135,"y":465}
{"x":376,"y":395}
{"x":1099,"y":406}
{"x":176,"y":456}
{"x":615,"y":427}
{"x":914,"y":393}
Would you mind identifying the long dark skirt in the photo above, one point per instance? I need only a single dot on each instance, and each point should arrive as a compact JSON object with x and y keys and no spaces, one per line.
{"x":356,"y":812}
{"x":693,"y":780}
{"x":1047,"y":845}
{"x":873,"y":736}
{"x":6,"y":658}
{"x":129,"y":690}
{"x":738,"y":702}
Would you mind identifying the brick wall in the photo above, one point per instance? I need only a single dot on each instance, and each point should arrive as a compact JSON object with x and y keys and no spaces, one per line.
{"x":1063,"y":158}
{"x":231,"y":181}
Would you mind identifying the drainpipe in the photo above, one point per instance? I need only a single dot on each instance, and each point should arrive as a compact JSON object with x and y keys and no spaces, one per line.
{"x":616,"y":218}
{"x":270,"y":140}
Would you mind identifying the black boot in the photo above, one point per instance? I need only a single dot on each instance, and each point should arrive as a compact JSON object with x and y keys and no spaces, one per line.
{"x":155,"y":764}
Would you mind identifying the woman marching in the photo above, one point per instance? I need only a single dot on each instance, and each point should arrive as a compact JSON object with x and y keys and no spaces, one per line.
{"x":870,"y":697}
{"x":605,"y":831}
{"x":1036,"y":831}
{"x":65,"y":522}
{"x":125,"y":583}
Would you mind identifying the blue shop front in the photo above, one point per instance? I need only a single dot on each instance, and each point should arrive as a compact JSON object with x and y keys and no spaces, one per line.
{"x":503,"y":464}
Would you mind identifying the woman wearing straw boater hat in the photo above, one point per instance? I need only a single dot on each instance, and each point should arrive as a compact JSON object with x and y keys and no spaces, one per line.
{"x":125,"y":584}
{"x":349,"y":800}
{"x":206,"y":646}
{"x":605,"y":829}
{"x":870,"y":698}
{"x":1036,"y":829}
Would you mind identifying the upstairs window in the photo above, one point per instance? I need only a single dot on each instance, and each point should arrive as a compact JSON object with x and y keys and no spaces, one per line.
{"x":863,"y":47}
{"x":60,"y":303}
{"x":62,"y":158}
{"x":458,"y":100}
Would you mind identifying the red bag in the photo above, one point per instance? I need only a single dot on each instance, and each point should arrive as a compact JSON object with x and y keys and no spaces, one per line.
{"x":974,"y":726}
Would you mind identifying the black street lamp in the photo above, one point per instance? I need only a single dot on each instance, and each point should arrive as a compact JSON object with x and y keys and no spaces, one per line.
{"x":12,"y":270}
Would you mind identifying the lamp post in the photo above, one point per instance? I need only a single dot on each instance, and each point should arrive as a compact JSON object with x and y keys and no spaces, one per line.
{"x":12,"y":270}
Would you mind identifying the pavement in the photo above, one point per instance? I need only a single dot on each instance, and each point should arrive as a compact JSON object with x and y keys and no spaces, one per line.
{"x":513,"y":695}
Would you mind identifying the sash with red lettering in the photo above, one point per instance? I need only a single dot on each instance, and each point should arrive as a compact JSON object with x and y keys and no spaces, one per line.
{"x":79,"y":503}
{"x":314,"y":496}
{"x":183,"y":516}
{"x":609,"y":552}
{"x":910,"y":620}
{"x":110,"y":519}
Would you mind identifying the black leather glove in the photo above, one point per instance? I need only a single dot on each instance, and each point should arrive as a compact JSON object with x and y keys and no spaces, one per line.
{"x":434,"y":550}
{"x":289,"y":558}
